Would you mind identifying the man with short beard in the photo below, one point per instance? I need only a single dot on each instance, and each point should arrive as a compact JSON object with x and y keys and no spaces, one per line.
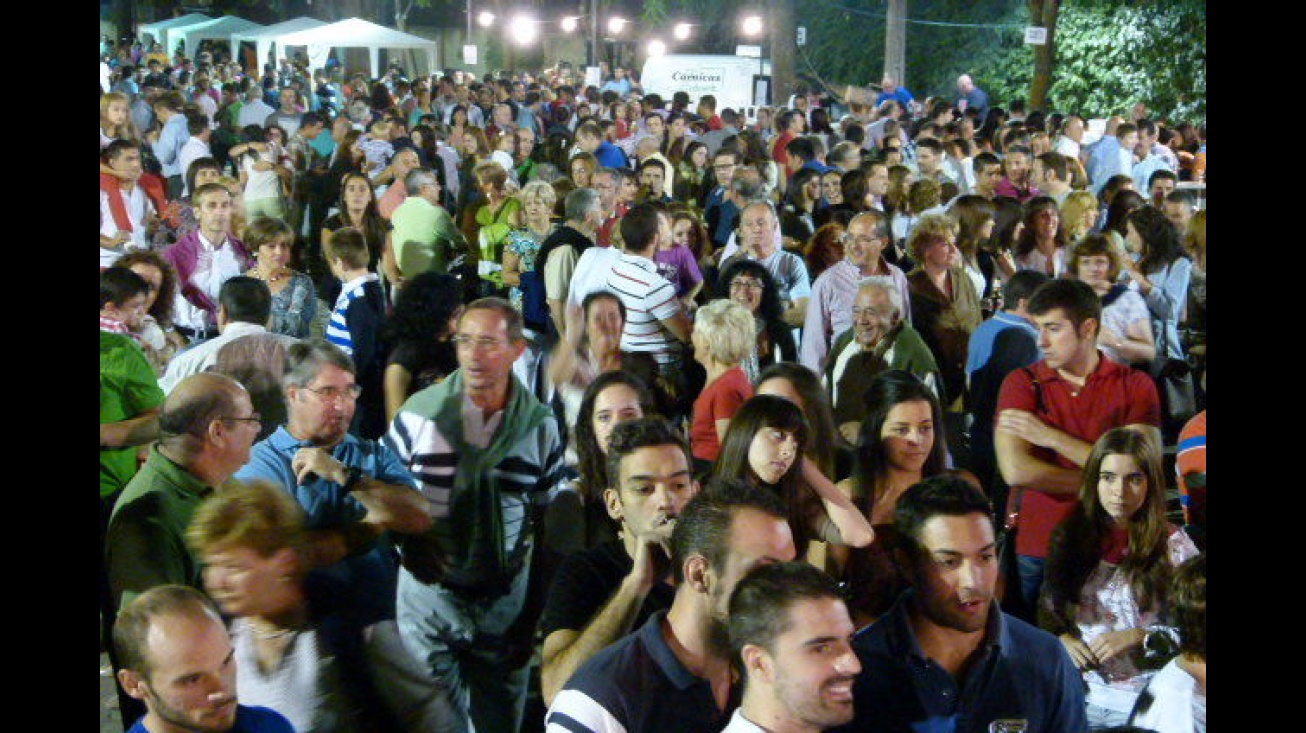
{"x":178,"y":659}
{"x":791,"y":634}
{"x":945,"y":656}
{"x":674,"y":672}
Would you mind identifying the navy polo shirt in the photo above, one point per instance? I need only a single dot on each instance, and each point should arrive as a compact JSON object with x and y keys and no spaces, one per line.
{"x":1020,"y":672}
{"x":637,"y":684}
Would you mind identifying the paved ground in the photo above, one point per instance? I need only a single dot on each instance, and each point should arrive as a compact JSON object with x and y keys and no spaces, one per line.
{"x":109,"y":720}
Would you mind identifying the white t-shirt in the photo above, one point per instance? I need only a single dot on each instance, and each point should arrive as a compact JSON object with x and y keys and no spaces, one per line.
{"x":138,"y":210}
{"x":260,"y":184}
{"x":194,"y":149}
{"x":591,"y":273}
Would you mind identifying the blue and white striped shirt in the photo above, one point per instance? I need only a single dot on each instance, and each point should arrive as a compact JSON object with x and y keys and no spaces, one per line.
{"x":337,"y":331}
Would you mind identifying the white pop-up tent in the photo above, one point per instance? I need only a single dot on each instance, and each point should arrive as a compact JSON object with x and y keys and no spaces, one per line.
{"x":220,"y":29}
{"x":354,"y":33}
{"x":157,"y":29}
{"x":264,"y":38}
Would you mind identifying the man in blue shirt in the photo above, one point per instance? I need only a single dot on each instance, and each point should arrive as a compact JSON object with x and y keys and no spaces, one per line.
{"x":889,"y":89}
{"x":590,"y":139}
{"x":972,"y":97}
{"x":619,"y":83}
{"x":720,"y":213}
{"x":352,"y":490}
{"x":945,"y":657}
{"x":1000,"y":345}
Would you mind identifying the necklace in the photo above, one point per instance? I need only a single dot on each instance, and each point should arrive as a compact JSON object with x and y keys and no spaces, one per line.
{"x":277,"y":276}
{"x":279,"y":634}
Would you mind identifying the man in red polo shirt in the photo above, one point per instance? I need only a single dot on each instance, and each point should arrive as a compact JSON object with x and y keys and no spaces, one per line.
{"x":1050,"y":414}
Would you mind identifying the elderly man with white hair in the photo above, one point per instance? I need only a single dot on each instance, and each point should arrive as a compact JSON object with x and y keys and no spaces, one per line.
{"x":879,"y":340}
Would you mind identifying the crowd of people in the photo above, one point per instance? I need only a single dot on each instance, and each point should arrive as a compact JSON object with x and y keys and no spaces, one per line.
{"x":515,"y":404}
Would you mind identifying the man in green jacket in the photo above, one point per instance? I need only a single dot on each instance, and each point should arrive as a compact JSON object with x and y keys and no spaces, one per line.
{"x":878,"y":341}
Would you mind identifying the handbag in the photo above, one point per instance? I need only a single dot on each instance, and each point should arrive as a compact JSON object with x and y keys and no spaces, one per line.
{"x":1174,"y":383}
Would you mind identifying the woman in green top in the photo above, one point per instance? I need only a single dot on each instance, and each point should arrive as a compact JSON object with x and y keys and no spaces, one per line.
{"x":494,"y":221}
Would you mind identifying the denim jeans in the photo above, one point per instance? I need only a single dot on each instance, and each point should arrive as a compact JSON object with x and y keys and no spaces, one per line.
{"x":1031,"y":580}
{"x":466,"y":644}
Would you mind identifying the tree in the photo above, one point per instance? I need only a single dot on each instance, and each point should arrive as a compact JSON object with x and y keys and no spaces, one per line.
{"x":1043,"y":13}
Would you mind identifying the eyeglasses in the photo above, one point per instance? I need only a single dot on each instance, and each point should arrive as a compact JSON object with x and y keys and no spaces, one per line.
{"x":863,"y":240}
{"x":484,"y":343}
{"x":723,"y":166}
{"x":333,"y":394}
{"x":746,"y":285}
{"x":256,"y":418}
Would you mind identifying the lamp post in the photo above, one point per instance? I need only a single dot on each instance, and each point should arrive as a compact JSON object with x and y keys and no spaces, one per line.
{"x":592,"y":58}
{"x":752,"y":28}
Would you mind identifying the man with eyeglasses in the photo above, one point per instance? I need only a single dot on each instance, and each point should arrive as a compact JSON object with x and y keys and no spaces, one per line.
{"x":487,"y":457}
{"x":719,"y":208}
{"x":354,"y":491}
{"x":244,"y":308}
{"x":830,"y":310}
{"x":207,"y":425}
{"x":759,"y":240}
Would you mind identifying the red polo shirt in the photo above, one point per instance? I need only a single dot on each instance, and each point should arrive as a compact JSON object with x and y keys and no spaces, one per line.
{"x":1113,"y":396}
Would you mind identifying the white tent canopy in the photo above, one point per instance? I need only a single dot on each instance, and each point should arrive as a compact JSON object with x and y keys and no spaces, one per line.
{"x":264,"y":37}
{"x":217,"y":29}
{"x":354,"y":33}
{"x":157,"y":29}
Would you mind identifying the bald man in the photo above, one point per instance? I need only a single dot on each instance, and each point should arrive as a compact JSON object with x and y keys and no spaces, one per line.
{"x":207,"y":425}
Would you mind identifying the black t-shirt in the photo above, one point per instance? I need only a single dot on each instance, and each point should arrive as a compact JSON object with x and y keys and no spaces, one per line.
{"x":586,"y":581}
{"x":427,"y":363}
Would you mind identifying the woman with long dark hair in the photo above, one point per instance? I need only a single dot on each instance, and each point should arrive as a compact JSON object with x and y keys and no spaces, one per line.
{"x":1117,"y":216}
{"x":902,"y":441}
{"x":800,"y":199}
{"x":1108,"y":568}
{"x":764,"y":447}
{"x":1042,"y":243}
{"x":418,"y":332}
{"x":611,"y":399}
{"x":357,"y":208}
{"x":801,"y":386}
{"x":157,"y":336}
{"x":690,"y":174}
{"x":1161,"y":274}
{"x":750,"y":284}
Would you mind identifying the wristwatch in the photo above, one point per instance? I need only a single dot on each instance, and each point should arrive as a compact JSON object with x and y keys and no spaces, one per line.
{"x":352,"y":475}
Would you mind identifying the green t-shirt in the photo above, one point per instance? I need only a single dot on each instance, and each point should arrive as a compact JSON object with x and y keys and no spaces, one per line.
{"x":128,"y":387}
{"x":424,"y":237}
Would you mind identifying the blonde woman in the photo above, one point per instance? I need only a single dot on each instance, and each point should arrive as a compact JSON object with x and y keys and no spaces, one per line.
{"x":1079,"y":212}
{"x":724,"y":335}
{"x":301,"y":649}
{"x":537,"y":201}
{"x":945,"y":306}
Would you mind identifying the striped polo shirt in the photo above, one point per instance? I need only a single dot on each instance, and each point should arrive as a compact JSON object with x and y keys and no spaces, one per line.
{"x":649,"y":299}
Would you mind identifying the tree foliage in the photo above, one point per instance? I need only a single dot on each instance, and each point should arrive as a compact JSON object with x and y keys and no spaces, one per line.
{"x":1110,"y":53}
